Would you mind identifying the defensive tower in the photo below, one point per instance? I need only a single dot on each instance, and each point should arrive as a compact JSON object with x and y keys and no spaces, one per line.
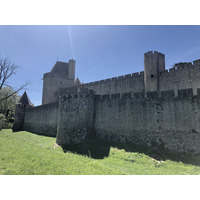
{"x":62,"y":75}
{"x":154,"y":64}
{"x":20,"y":109}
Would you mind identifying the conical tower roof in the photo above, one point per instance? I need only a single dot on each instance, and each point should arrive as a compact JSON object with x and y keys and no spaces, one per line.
{"x":25,"y":100}
{"x":77,"y":81}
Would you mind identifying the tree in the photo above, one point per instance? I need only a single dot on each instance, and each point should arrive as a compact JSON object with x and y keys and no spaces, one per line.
{"x":7,"y":107}
{"x":8,"y":104}
{"x":2,"y":121}
{"x":7,"y":70}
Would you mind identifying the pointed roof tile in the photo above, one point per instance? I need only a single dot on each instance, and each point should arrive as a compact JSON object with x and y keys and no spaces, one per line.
{"x":25,"y":100}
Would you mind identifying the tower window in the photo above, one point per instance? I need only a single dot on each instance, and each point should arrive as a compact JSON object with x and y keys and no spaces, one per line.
{"x":151,"y":75}
{"x":60,"y":82}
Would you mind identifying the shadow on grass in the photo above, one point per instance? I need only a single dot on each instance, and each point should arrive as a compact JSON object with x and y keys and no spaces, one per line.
{"x":159,"y":153}
{"x":98,"y":149}
{"x":93,"y":148}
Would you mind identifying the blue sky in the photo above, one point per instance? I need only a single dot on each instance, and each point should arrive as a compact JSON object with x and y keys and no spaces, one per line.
{"x":100,"y":51}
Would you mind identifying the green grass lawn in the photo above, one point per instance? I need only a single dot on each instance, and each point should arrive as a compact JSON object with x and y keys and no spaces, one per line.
{"x":27,"y":153}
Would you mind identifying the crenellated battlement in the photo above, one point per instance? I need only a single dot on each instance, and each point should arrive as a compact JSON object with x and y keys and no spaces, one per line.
{"x":170,"y":94}
{"x":196,"y":62}
{"x":182,"y":66}
{"x":149,"y":53}
{"x":155,"y":78}
{"x":85,"y":92}
{"x":138,"y":75}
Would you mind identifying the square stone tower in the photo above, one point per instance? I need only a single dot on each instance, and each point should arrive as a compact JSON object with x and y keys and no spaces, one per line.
{"x":62,"y":75}
{"x":154,"y":64}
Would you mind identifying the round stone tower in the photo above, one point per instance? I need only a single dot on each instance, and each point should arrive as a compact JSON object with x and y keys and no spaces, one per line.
{"x":20,"y":109}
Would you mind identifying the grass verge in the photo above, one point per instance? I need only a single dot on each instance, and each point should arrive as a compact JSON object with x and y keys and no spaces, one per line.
{"x":27,"y":153}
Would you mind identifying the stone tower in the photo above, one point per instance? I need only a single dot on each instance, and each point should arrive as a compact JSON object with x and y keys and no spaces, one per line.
{"x":62,"y":75}
{"x":154,"y":64}
{"x":20,"y":109}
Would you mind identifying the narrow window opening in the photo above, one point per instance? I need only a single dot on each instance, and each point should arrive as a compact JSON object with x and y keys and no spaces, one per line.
{"x":151,"y":75}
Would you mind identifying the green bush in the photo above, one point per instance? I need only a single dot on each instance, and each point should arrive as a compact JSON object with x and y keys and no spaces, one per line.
{"x":8,"y":125}
{"x":3,"y":121}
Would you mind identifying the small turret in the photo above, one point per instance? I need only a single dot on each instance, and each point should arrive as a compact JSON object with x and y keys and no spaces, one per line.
{"x":24,"y":100}
{"x":20,"y":109}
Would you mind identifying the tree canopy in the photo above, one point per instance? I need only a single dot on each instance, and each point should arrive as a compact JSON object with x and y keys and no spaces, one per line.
{"x":7,"y":70}
{"x":8,"y":94}
{"x":8,"y":104}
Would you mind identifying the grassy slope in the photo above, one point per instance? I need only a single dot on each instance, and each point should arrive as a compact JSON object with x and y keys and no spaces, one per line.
{"x":26,"y":153}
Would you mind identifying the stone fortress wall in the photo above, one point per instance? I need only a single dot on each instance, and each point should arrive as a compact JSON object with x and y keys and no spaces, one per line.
{"x":155,"y":107}
{"x":170,"y":121}
{"x":42,"y":119}
{"x":122,"y":84}
{"x":154,"y":78}
{"x":181,"y":76}
{"x":167,"y":120}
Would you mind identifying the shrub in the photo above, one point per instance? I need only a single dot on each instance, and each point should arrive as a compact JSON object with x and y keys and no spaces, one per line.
{"x":3,"y":121}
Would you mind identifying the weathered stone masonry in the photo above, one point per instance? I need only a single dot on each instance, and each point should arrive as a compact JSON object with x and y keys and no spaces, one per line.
{"x":162,"y":108}
{"x":166,"y":120}
{"x":42,"y":119}
{"x":75,"y":116}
